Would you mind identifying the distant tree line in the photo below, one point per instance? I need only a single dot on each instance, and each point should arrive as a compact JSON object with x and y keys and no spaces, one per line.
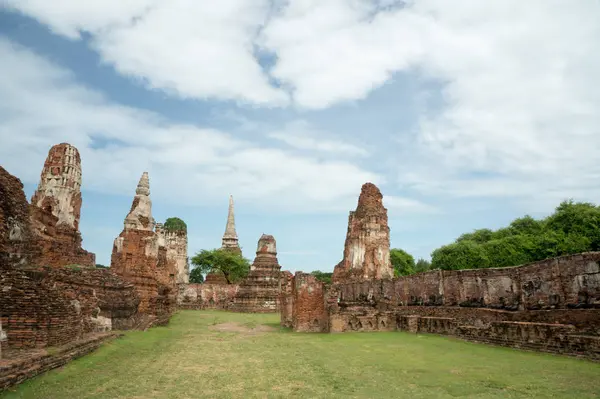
{"x":572,"y":228}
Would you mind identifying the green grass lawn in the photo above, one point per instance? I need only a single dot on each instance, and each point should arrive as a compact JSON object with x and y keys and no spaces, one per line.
{"x":194,"y":357}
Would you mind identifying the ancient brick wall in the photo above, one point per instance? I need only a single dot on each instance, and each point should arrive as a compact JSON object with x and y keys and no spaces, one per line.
{"x":286,"y":298}
{"x":34,"y":312}
{"x":308,"y":313}
{"x":571,"y":281}
{"x":48,"y":306}
{"x":15,"y":227}
{"x":551,"y":305}
{"x":14,"y":371}
{"x":206,"y":296}
{"x":105,"y":300}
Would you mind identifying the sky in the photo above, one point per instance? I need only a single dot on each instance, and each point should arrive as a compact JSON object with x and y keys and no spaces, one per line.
{"x":466,"y":114}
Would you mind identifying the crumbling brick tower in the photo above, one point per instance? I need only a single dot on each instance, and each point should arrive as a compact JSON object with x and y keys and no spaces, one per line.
{"x":259,"y":292}
{"x":367,"y":246}
{"x":135,"y":254}
{"x":56,"y":210}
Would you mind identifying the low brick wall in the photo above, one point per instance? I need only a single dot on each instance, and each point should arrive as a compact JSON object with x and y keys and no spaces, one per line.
{"x":28,"y":365}
{"x":543,"y":337}
{"x":206,"y":296}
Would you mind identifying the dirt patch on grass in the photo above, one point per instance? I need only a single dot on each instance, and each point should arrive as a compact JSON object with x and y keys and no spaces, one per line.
{"x":241,"y":328}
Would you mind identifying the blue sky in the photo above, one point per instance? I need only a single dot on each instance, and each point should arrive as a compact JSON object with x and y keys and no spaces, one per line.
{"x":465,"y":115}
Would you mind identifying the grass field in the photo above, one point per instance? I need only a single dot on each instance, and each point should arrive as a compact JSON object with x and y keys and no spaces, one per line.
{"x":204,"y":354}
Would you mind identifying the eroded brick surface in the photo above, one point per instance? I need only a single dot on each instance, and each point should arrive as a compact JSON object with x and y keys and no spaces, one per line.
{"x":367,"y":245}
{"x":140,"y":257}
{"x":259,"y":291}
{"x":206,"y":296}
{"x":308,"y":313}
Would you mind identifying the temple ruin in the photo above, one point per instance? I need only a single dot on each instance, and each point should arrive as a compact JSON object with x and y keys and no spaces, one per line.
{"x":259,"y":291}
{"x":56,"y":211}
{"x":551,"y":305}
{"x":139,"y":256}
{"x":51,"y":293}
{"x":367,"y":246}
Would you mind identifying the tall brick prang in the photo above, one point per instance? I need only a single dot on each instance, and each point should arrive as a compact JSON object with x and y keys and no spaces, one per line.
{"x":59,"y":190}
{"x":367,"y":246}
{"x":140,"y":256}
{"x":56,"y":210}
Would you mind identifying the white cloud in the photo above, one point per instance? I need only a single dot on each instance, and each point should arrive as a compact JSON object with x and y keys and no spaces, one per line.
{"x":192,"y":49}
{"x":519,"y":115}
{"x":302,"y":136}
{"x":401,"y":205}
{"x":43,"y":105}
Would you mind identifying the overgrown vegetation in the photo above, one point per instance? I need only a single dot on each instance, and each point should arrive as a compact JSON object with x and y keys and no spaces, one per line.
{"x":175,"y":224}
{"x":233,"y":265}
{"x":169,"y":362}
{"x":402,"y":261}
{"x":196,"y":276}
{"x":322,"y":276}
{"x":572,"y":228}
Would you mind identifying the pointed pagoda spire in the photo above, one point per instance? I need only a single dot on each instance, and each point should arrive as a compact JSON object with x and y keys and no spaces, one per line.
{"x":140,"y":215}
{"x":230,"y":238}
{"x":143,"y":187}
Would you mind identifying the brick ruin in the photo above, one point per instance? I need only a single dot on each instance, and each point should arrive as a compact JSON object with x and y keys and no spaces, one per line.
{"x":176,"y":243}
{"x":551,"y":305}
{"x":49,"y":233}
{"x":259,"y":291}
{"x":140,"y":256}
{"x":367,"y":246}
{"x":56,"y":301}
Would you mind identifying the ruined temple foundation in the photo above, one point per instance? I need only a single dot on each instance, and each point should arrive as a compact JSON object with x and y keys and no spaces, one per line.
{"x":551,"y":305}
{"x":259,"y":292}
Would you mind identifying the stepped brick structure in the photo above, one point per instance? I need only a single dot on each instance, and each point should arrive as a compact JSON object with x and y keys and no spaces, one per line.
{"x":140,"y":257}
{"x":259,"y":292}
{"x":56,"y":210}
{"x":367,"y":246}
{"x":229,"y":242}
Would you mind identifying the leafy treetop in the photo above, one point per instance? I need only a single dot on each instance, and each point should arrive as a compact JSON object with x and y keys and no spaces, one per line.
{"x":175,"y":224}
{"x":196,"y":276}
{"x":572,"y":228}
{"x":233,"y":265}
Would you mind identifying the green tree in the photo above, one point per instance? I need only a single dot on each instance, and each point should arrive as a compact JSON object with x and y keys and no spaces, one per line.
{"x":422,"y":265}
{"x":233,"y":265}
{"x":460,"y":255}
{"x":175,"y":224}
{"x":99,"y":266}
{"x":582,"y":219}
{"x":479,"y":236}
{"x":196,"y":276}
{"x":403,"y":262}
{"x":322,"y":276}
{"x":572,"y":228}
{"x":509,"y":251}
